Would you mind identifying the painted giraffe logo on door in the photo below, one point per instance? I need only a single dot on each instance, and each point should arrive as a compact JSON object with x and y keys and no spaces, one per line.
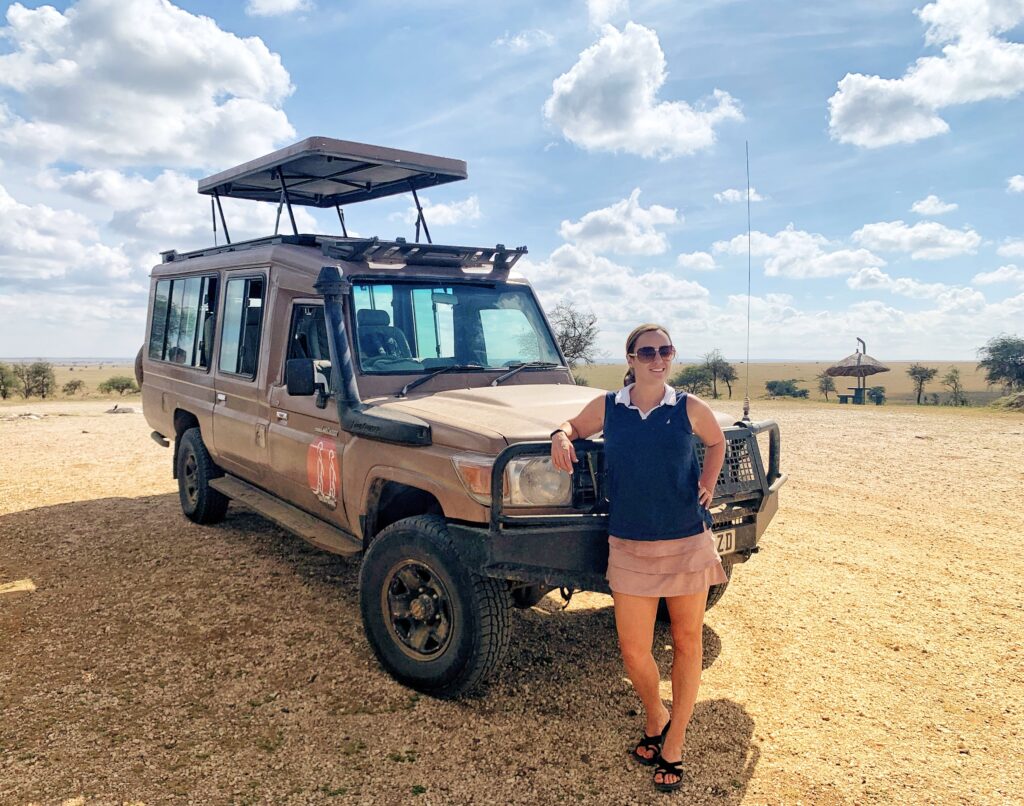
{"x":322,"y":470}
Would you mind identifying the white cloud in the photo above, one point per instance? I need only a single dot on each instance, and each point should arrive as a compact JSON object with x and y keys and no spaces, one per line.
{"x":1004,"y":274}
{"x":1011,"y":247}
{"x":443,"y":214}
{"x":167,"y":212}
{"x":273,"y":8}
{"x":932,"y":205}
{"x":602,"y":11}
{"x":871,"y":279}
{"x":926,"y":240}
{"x":732,"y":196}
{"x":619,"y":295}
{"x":1015,"y":184}
{"x":975,"y":65}
{"x":524,"y":41}
{"x":798,"y":254}
{"x":625,"y":228}
{"x":39,"y":243}
{"x":698,"y":261}
{"x":134,"y":83}
{"x":608,"y":100}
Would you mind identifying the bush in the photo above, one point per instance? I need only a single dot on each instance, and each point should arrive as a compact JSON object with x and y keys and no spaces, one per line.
{"x":119,"y":384}
{"x":876,"y":394}
{"x":785,"y":388}
{"x":72,"y":388}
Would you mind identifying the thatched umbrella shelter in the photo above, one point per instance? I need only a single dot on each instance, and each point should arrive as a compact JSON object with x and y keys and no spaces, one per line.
{"x":858,"y":365}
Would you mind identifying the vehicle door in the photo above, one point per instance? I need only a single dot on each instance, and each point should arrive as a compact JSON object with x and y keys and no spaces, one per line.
{"x":305,"y":442}
{"x":241,"y":411}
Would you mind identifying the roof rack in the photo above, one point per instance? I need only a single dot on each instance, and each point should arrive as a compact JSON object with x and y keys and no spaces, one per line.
{"x":400,"y":252}
{"x":497,"y":260}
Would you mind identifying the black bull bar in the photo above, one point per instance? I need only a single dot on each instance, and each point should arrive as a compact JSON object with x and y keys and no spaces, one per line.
{"x":571,"y":549}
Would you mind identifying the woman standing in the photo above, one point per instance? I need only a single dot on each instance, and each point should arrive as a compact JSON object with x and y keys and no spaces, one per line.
{"x":660,"y":543}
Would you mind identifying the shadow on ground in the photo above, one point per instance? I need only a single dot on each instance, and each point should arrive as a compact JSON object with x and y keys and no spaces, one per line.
{"x":161,"y":660}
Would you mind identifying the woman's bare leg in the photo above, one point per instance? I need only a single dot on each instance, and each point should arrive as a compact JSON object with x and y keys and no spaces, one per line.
{"x":687,"y":613}
{"x":634,"y":622}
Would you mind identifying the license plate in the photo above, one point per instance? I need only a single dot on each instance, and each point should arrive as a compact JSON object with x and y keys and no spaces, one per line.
{"x":726,"y":541}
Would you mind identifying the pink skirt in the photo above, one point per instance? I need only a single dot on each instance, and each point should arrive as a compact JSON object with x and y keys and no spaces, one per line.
{"x":677,"y":567}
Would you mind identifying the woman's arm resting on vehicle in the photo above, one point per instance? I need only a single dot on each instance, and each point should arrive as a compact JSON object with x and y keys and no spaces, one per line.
{"x":585,"y":424}
{"x":706,"y":426}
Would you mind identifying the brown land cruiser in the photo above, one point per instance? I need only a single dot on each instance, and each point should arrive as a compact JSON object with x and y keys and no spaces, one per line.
{"x":393,"y":400}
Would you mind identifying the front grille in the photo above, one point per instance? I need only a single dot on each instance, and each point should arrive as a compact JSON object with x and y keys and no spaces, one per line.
{"x":588,"y":481}
{"x":738,"y":474}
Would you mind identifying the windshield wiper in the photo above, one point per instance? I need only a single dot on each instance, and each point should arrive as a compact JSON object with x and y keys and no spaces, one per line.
{"x":450,"y":368}
{"x":525,"y":365}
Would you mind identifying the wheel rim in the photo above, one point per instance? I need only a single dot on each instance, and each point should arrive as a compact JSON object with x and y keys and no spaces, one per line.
{"x":191,"y":478}
{"x":417,"y":609}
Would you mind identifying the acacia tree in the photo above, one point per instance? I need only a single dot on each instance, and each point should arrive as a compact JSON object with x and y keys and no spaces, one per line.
{"x":1002,"y":358}
{"x":72,"y":388}
{"x":9,"y":381}
{"x":826,"y":384}
{"x":728,"y":375}
{"x":719,"y":369}
{"x":695,"y":379}
{"x":576,"y":332}
{"x":921,"y":374}
{"x":951,"y":380}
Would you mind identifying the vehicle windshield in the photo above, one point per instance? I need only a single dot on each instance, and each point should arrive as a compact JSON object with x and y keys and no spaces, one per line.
{"x":420,"y":327}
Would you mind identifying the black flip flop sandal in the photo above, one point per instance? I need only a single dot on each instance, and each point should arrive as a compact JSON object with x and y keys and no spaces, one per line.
{"x":650,"y":743}
{"x":668,"y":768}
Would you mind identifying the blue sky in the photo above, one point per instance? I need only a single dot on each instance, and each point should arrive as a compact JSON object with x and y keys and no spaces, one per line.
{"x":608,"y":136}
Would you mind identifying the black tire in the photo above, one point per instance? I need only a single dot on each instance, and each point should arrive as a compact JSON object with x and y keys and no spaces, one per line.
{"x":138,"y":367}
{"x":199,"y":501}
{"x":715,"y":592}
{"x":529,"y":595}
{"x":433,"y":624}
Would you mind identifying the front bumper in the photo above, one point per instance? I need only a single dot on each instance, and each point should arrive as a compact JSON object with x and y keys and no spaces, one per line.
{"x":571,"y":550}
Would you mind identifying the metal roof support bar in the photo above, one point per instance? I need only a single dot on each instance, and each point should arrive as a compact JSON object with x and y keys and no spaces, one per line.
{"x":419,"y":216}
{"x":341,"y":218}
{"x":287,"y":201}
{"x":277,"y":221}
{"x":223,"y":223}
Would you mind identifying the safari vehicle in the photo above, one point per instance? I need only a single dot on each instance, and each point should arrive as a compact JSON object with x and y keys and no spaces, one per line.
{"x":394,"y":400}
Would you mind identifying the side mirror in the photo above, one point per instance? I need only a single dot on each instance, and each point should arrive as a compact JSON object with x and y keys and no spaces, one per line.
{"x":298,"y":374}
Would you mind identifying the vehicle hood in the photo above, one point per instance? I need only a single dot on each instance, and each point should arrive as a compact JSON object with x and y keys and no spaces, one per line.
{"x":519,"y":413}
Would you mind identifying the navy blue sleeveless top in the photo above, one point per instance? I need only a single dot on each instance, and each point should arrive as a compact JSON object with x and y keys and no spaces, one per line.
{"x":652,"y":472}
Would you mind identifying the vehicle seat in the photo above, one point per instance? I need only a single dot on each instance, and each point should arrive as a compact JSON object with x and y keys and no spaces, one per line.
{"x":377,"y":338}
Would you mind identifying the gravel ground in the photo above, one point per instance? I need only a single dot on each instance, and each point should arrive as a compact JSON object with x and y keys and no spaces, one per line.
{"x":872,"y":653}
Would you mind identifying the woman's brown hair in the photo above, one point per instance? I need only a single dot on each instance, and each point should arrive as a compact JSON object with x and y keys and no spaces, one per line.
{"x":648,"y":327}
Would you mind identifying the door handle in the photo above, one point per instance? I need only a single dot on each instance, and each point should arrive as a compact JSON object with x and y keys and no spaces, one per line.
{"x":282,"y":416}
{"x":221,"y":397}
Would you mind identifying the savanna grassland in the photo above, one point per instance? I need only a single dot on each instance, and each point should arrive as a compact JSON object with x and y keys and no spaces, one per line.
{"x":872,"y":653}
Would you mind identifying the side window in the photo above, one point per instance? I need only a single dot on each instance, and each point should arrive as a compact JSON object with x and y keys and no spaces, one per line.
{"x":308,"y":335}
{"x":158,"y":329}
{"x":182,"y":320}
{"x":240,"y":334}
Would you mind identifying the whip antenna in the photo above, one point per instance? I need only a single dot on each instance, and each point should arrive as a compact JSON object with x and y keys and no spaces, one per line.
{"x":746,"y":393}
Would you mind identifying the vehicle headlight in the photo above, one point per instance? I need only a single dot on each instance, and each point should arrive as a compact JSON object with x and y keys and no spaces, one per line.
{"x":534,"y":482}
{"x":531,"y":481}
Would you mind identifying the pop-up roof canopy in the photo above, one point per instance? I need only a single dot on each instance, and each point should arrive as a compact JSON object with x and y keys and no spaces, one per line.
{"x":321,"y":172}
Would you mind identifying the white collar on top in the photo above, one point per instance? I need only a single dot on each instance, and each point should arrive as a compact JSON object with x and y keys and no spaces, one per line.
{"x":623,"y":397}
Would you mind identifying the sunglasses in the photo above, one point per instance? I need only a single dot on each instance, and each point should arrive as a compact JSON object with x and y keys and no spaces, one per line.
{"x":645,"y":355}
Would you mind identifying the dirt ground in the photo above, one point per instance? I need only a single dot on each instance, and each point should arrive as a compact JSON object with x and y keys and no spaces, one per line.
{"x":871,"y":653}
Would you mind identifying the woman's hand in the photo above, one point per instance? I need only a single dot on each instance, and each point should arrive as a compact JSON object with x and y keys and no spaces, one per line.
{"x":563,"y":454}
{"x":705,"y":496}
